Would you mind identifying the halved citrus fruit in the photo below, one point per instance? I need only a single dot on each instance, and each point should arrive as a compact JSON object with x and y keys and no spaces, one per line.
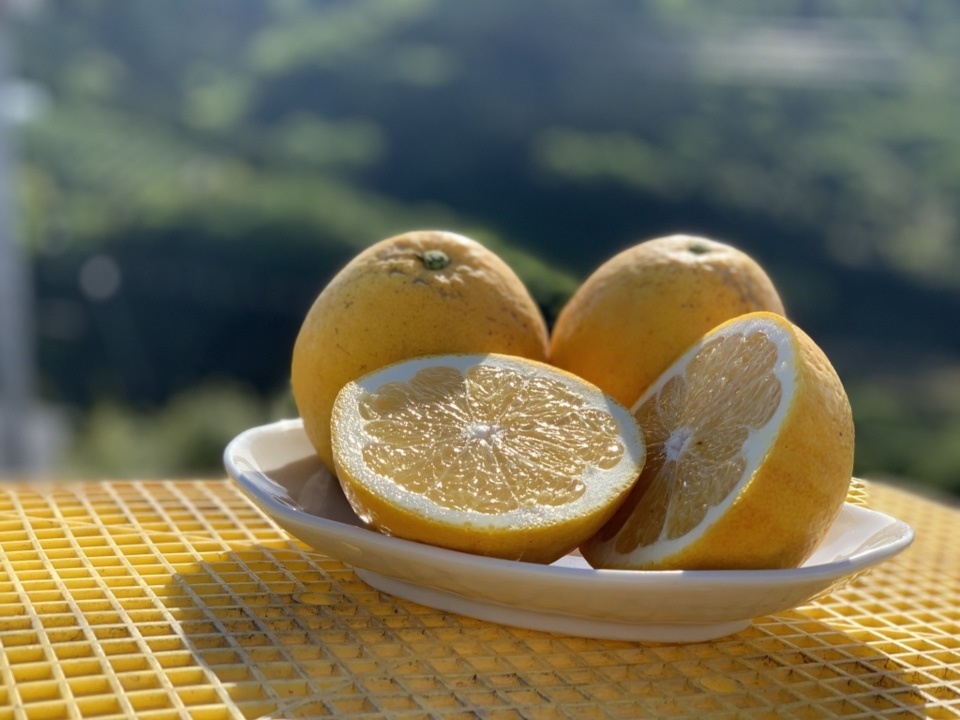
{"x":488,"y":454}
{"x":749,"y":439}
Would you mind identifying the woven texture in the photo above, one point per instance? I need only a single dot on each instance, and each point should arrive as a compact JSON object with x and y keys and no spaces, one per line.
{"x":181,"y":600}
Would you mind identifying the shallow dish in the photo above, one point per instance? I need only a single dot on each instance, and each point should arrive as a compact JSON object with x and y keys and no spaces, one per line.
{"x":278,"y":469}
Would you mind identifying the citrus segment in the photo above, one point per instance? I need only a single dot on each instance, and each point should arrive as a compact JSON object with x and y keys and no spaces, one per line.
{"x":488,"y":454}
{"x":750,"y":450}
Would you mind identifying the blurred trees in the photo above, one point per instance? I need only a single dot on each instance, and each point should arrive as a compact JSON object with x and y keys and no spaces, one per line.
{"x":204,"y":168}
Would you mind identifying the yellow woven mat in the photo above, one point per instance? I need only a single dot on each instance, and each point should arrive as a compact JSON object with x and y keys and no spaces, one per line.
{"x":180,"y":599}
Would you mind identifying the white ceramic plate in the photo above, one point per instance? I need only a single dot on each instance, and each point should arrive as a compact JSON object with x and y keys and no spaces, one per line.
{"x":278,"y":469}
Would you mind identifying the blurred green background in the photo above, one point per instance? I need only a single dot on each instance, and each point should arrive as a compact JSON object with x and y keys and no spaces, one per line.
{"x":189,"y":175}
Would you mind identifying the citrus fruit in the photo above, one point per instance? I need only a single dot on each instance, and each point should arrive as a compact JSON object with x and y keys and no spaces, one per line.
{"x":419,"y":293}
{"x":487,"y":454}
{"x":642,"y":308}
{"x":749,"y":455}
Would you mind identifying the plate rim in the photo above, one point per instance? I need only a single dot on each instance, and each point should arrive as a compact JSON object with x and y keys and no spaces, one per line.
{"x":767,"y":578}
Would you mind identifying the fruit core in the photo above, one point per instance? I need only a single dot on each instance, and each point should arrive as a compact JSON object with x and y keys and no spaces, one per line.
{"x":483,"y":432}
{"x":676,"y":443}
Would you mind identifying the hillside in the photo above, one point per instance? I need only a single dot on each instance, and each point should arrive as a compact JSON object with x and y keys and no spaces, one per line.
{"x":218,"y":161}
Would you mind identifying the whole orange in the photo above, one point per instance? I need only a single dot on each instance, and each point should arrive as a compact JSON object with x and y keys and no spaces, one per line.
{"x":420,"y":293}
{"x":642,"y":308}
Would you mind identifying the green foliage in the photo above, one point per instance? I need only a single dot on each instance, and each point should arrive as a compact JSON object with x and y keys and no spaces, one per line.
{"x":229,"y":156}
{"x":186,"y":437}
{"x":912,"y":427}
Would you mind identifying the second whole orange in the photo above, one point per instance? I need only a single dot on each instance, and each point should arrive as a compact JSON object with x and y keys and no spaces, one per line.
{"x":645,"y":306}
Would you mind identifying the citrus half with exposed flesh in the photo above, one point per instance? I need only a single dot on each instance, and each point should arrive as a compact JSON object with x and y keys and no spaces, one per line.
{"x":488,"y":454}
{"x":750,"y":445}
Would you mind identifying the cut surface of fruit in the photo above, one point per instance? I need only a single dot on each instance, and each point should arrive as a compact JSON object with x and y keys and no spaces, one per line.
{"x":489,"y":454}
{"x":750,"y":452}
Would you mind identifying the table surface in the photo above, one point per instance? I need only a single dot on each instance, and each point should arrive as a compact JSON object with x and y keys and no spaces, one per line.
{"x":177,"y":599}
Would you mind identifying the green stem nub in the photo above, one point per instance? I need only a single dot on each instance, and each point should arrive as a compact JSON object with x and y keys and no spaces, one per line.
{"x":435,"y":259}
{"x":698,"y":248}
